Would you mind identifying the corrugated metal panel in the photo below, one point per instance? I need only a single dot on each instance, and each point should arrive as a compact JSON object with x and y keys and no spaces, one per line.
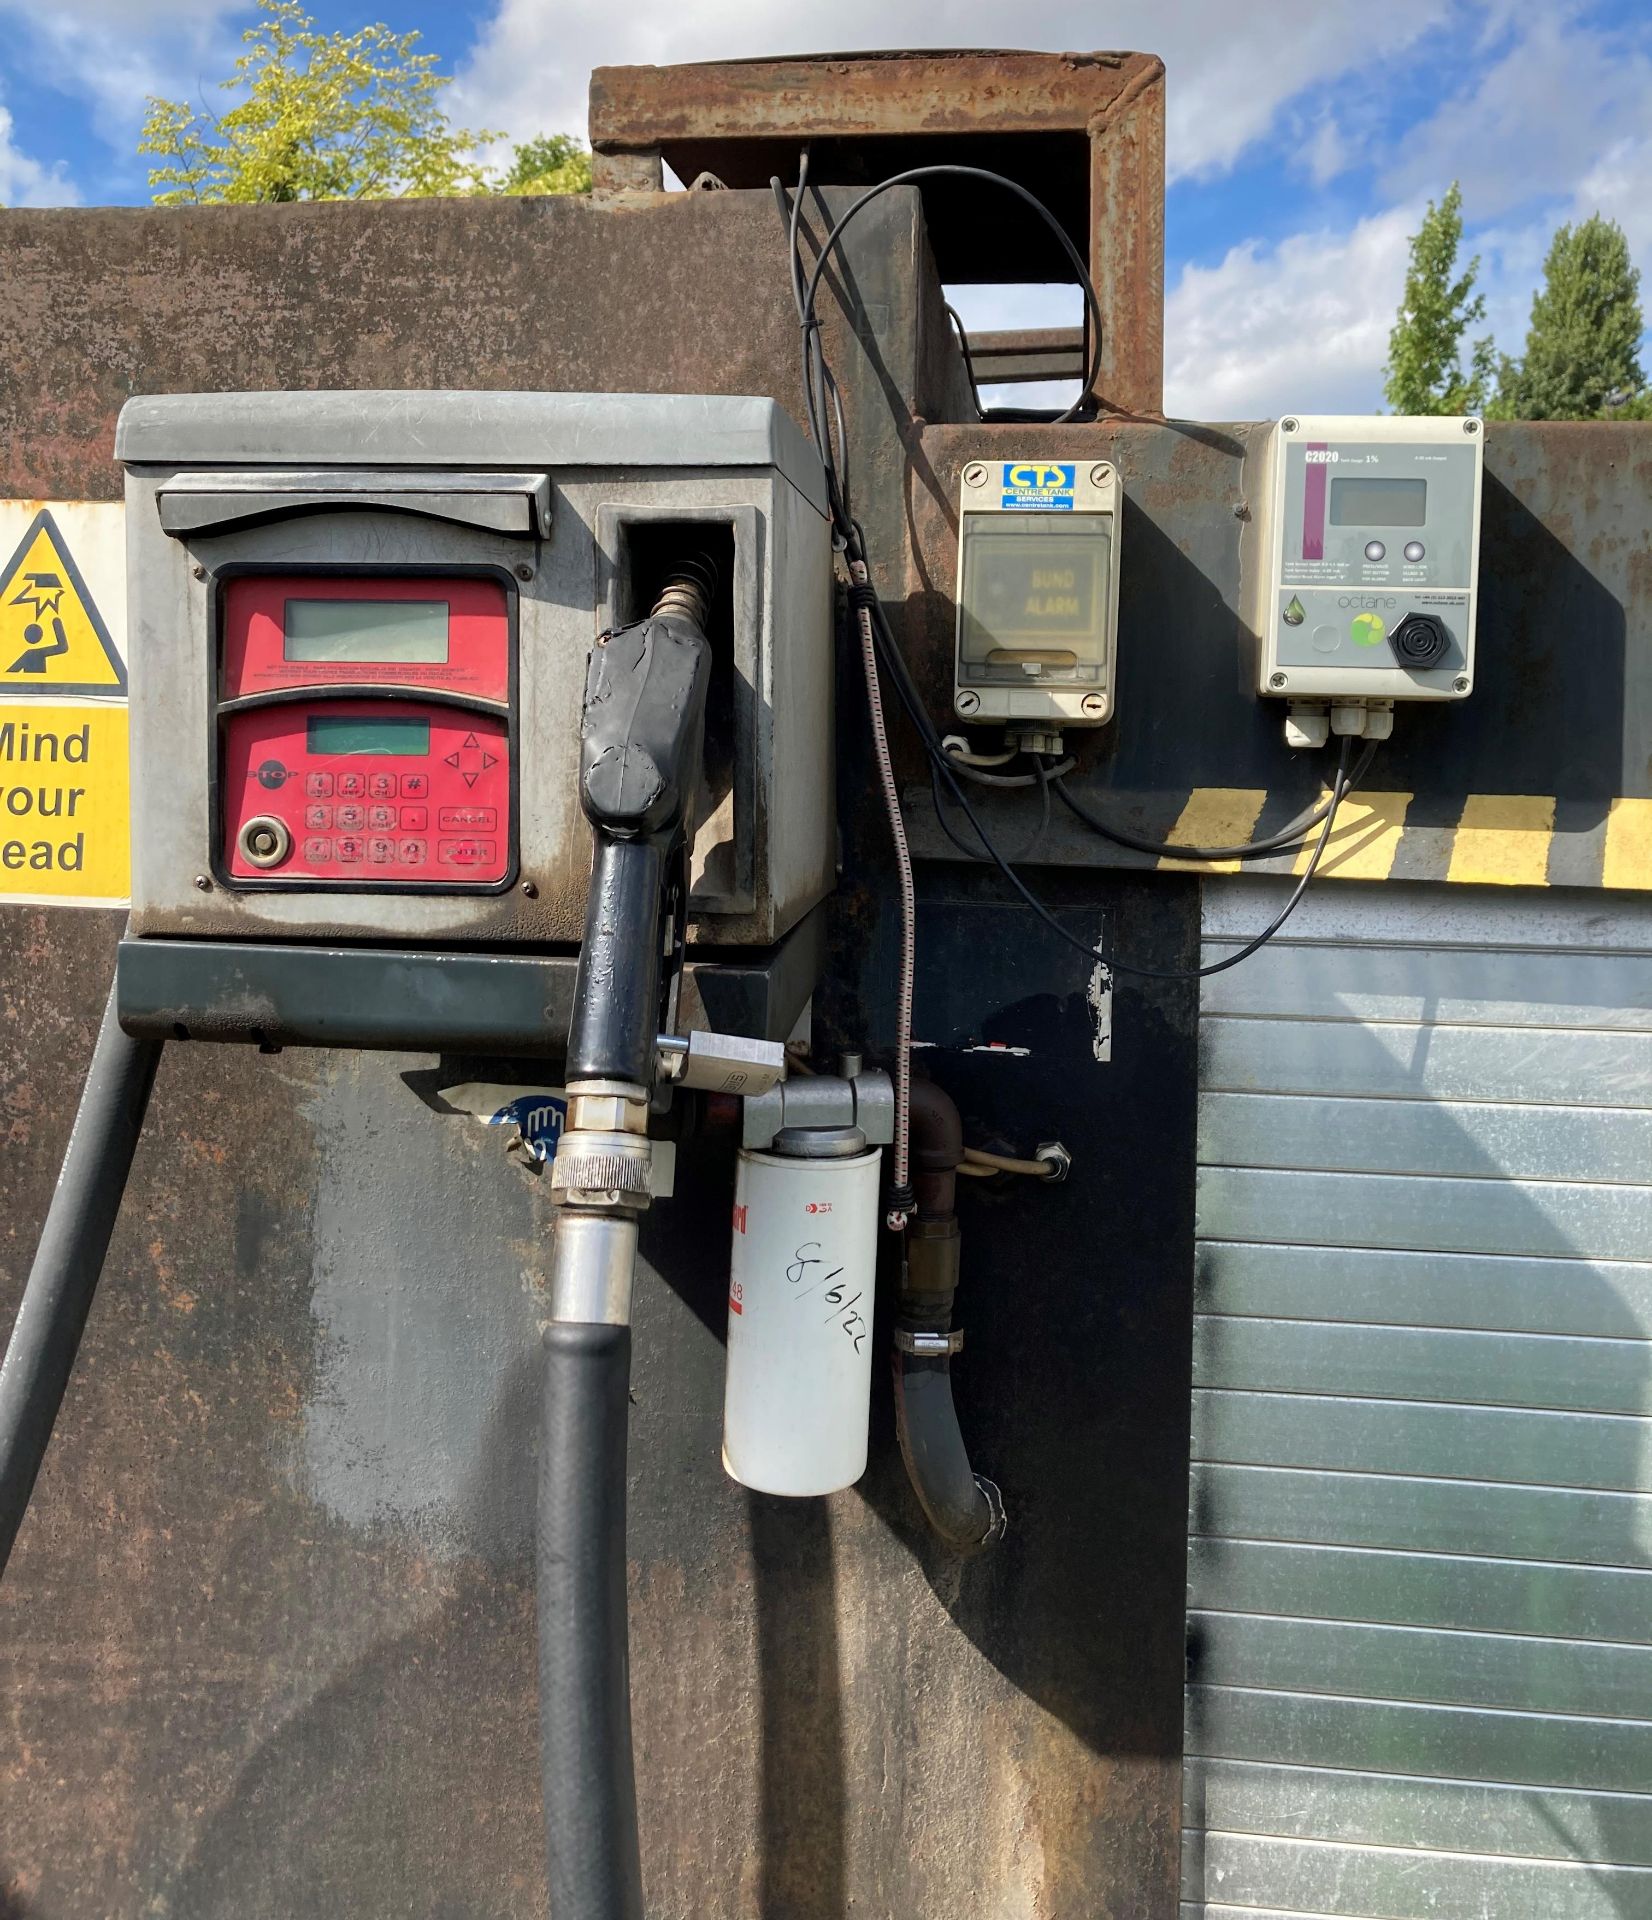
{"x":1378,"y":1436}
{"x":1424,"y":1515}
{"x":1422,"y":1663}
{"x":1420,"y":1589}
{"x":1424,"y":1363}
{"x":1419,"y":1138}
{"x":1401,"y":1881}
{"x":1420,"y":1566}
{"x":1398,"y":1810}
{"x":1390,"y":1060}
{"x":1389,"y":1736}
{"x":1603,"y":1299}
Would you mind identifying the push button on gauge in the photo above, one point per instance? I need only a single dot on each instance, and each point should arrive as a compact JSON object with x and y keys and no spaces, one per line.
{"x":265,"y":841}
{"x":1375,"y":550}
{"x":382,"y":786}
{"x":1414,"y":551}
{"x":415,"y":786}
{"x":318,"y":817}
{"x":381,"y":817}
{"x":319,"y":786}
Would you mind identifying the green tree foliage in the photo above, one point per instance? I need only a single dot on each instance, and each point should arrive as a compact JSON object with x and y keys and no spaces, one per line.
{"x":1581,"y":360}
{"x":1424,"y":373}
{"x":554,"y":163}
{"x":333,"y":116}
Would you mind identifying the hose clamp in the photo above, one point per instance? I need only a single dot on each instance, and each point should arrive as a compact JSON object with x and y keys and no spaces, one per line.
{"x":603,"y":1170}
{"x":929,"y":1345}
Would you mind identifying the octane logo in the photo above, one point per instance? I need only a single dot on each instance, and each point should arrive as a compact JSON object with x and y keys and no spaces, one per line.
{"x":1040,"y":477}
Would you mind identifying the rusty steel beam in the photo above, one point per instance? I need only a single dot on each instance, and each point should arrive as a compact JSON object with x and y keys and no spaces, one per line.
{"x":1084,"y":131}
{"x":1126,"y":244}
{"x":838,"y":96}
{"x":1015,"y":357}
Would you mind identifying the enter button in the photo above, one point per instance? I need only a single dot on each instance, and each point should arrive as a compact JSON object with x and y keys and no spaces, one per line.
{"x":465,"y":853}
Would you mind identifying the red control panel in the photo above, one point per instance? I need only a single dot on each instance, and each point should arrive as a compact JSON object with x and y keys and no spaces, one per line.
{"x":366,"y":788}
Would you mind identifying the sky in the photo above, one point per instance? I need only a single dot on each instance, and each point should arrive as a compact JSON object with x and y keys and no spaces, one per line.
{"x":1305,"y":137}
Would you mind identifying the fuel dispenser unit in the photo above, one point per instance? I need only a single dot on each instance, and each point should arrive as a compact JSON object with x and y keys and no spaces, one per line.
{"x":501,"y":723}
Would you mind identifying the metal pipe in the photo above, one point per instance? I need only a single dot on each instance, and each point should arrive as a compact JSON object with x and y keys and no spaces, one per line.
{"x":593,"y":1263}
{"x":45,"y":1337}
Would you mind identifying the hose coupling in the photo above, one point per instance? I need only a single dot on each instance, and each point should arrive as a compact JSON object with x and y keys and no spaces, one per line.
{"x":929,"y":1344}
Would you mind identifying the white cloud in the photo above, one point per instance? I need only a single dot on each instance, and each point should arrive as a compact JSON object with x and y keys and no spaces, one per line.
{"x":1302,"y":325}
{"x":1619,"y":185}
{"x":115,"y":53}
{"x":26,"y":182}
{"x":1533,"y":123}
{"x":531,"y":66}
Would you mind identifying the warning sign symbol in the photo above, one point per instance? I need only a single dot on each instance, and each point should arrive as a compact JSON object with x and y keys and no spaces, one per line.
{"x":52,"y":637}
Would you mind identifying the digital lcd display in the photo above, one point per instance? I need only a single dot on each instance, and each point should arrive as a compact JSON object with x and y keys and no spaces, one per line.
{"x":1033,"y":589}
{"x":367,"y":733}
{"x":395,"y":632}
{"x":1359,"y":502}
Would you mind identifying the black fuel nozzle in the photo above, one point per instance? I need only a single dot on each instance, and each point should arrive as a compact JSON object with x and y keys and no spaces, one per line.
{"x":642,"y":741}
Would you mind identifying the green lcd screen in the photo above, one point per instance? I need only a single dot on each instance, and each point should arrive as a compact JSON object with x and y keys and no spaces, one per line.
{"x":402,"y":632}
{"x":367,"y":733}
{"x":1358,"y":502}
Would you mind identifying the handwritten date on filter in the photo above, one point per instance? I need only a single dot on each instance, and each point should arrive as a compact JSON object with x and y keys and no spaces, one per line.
{"x":829,"y":1290}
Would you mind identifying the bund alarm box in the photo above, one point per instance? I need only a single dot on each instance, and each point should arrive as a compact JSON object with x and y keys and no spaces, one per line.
{"x":1370,"y":567}
{"x":1038,"y":592}
{"x":359,"y":633}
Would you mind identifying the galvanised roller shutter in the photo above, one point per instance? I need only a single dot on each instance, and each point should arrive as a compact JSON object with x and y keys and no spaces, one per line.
{"x":1420,"y":1566}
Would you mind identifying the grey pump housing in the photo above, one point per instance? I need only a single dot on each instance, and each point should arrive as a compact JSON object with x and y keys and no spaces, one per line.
{"x":560,"y":492}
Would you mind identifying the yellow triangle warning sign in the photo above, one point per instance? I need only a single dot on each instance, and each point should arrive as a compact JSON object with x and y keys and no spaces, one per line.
{"x":52,"y":637}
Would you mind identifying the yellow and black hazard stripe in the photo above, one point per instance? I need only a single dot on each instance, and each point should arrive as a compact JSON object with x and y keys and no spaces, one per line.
{"x":1485,"y":839}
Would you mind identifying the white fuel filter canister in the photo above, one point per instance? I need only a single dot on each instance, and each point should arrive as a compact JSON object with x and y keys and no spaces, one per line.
{"x":799,"y":1383}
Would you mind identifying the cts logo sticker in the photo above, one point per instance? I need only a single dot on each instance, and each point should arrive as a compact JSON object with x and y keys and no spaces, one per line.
{"x":1032,"y":484}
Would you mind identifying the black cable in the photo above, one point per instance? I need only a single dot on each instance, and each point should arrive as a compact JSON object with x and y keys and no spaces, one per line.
{"x":853,"y":540}
{"x":1081,"y":273}
{"x":1339,"y":791}
{"x":962,"y":332}
{"x":1288,"y":836}
{"x":1023,"y":852}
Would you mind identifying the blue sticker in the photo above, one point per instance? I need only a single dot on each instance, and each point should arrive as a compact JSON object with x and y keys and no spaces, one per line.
{"x":1030,"y":486}
{"x":538,"y":1117}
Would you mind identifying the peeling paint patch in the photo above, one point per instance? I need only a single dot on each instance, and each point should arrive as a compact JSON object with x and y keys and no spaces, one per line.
{"x":1099,"y":996}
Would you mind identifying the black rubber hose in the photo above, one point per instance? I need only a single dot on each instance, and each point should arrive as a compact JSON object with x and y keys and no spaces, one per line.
{"x":584,"y":1660}
{"x":616,"y":1012}
{"x":45,"y":1337}
{"x":964,"y":1508}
